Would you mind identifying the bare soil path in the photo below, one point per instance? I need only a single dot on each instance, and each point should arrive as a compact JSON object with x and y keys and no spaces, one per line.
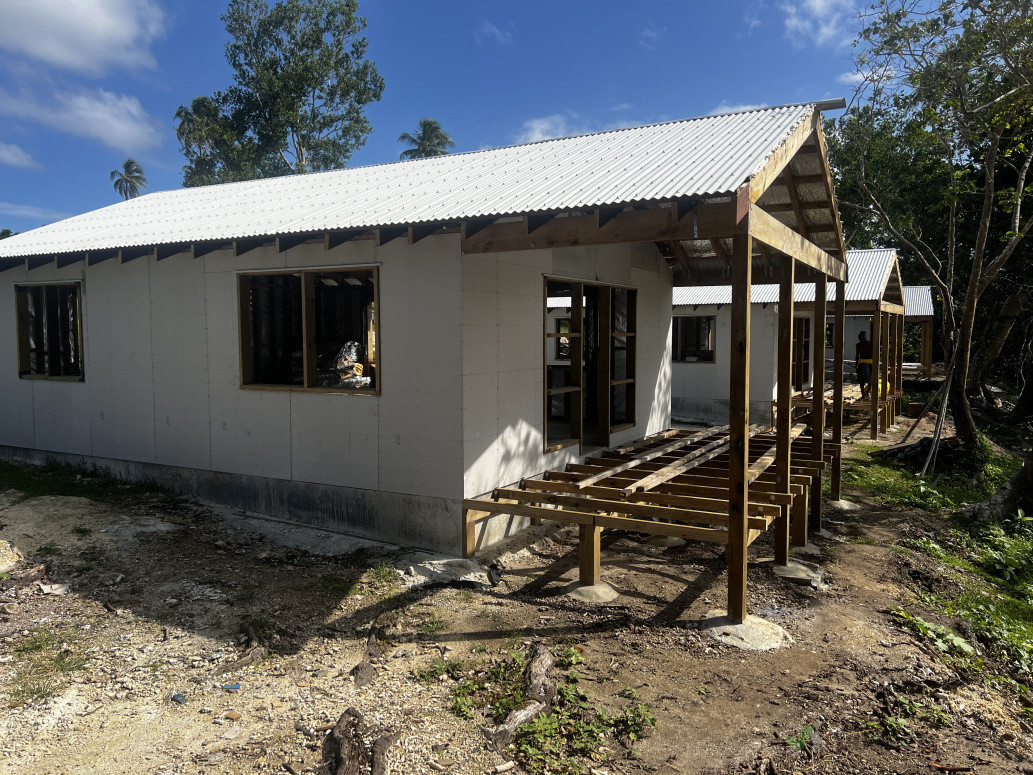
{"x":186,"y":643}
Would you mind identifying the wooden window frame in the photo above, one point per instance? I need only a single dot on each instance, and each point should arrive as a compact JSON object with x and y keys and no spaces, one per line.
{"x":606,"y":351}
{"x":308,"y":275}
{"x":676,"y":339}
{"x":24,"y":352}
{"x":802,"y":345}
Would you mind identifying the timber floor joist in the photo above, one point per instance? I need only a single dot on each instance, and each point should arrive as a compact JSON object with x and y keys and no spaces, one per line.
{"x":671,"y":484}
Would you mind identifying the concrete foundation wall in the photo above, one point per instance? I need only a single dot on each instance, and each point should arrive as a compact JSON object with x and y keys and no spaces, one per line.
{"x":409,"y":520}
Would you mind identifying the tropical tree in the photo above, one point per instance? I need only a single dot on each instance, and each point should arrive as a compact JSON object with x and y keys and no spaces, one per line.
{"x":301,"y":82}
{"x":5,"y":233}
{"x":429,"y":140}
{"x":129,"y":180}
{"x":947,"y":85}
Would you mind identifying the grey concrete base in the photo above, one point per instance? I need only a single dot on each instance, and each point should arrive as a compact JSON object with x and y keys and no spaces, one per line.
{"x":399,"y":518}
{"x":668,"y":542}
{"x":842,"y":505}
{"x":595,"y":593}
{"x":811,"y":550}
{"x":754,"y":634}
{"x":803,"y":574}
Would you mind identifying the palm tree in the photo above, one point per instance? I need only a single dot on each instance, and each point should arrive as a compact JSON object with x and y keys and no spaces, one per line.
{"x":430,"y":140}
{"x":129,"y":180}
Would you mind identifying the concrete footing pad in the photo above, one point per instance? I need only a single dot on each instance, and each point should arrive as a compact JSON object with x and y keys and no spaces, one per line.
{"x":811,"y":550}
{"x":754,"y":634}
{"x":667,"y":542}
{"x":844,"y":505}
{"x":592,"y":593}
{"x":804,"y":574}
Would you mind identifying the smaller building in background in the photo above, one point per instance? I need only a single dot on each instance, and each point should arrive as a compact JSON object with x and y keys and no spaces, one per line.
{"x":701,"y":331}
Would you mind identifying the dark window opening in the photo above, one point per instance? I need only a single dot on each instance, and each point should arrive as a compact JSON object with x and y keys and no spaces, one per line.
{"x":311,"y":329}
{"x":49,"y":330}
{"x":693,"y":340}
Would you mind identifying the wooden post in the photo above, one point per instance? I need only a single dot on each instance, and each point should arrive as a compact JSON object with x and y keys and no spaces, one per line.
{"x":589,"y":551}
{"x":884,"y":381}
{"x":784,"y":421}
{"x":874,"y":392}
{"x":739,"y":421}
{"x":821,"y":287}
{"x":839,"y":345}
{"x":900,"y":364}
{"x":927,"y":348}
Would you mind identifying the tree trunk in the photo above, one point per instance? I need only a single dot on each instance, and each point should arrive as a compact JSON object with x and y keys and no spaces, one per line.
{"x":1024,"y":404}
{"x":998,"y":329}
{"x":1012,"y":496}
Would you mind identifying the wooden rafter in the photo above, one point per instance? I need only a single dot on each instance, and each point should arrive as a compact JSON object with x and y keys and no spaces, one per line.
{"x":771,"y":231}
{"x":794,"y":199}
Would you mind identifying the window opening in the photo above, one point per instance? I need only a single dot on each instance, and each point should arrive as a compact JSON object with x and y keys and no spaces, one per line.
{"x":693,"y":340}
{"x":49,"y":331}
{"x":310,"y":329}
{"x":590,"y":393}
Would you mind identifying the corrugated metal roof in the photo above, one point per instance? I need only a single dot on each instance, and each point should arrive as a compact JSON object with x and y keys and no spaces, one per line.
{"x":918,"y":301}
{"x":868,"y":271}
{"x":704,"y":156}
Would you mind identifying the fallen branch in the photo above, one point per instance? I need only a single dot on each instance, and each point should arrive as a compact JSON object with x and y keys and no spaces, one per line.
{"x":542,"y":692}
{"x":364,"y":673}
{"x":348,"y":751}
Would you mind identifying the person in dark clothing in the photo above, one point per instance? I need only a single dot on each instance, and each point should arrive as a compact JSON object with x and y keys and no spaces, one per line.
{"x":863,"y":364}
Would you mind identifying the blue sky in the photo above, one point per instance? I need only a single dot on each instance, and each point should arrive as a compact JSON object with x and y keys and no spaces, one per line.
{"x":86,"y":83}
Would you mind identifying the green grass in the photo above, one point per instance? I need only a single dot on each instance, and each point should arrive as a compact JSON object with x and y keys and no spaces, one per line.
{"x":54,"y":478}
{"x":41,"y":661}
{"x":898,"y":486}
{"x":566,"y":739}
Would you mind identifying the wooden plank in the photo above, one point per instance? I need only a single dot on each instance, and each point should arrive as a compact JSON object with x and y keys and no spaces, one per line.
{"x":690,"y":460}
{"x":818,"y":324}
{"x":244,"y":331}
{"x":838,"y":347}
{"x":739,"y":420}
{"x":874,"y":392}
{"x":589,"y":555}
{"x":714,"y":516}
{"x":884,"y":382}
{"x":650,"y":225}
{"x":891,"y":307}
{"x":604,"y":391}
{"x":784,"y":386}
{"x":778,"y":160}
{"x":771,"y":231}
{"x":830,"y":189}
{"x":705,"y":499}
{"x":535,"y":512}
{"x":709,"y":534}
{"x":645,"y":457}
{"x":927,"y":348}
{"x":800,"y":532}
{"x":308,"y":315}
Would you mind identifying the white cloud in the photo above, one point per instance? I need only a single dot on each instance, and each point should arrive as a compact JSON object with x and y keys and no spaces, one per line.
{"x":850,"y":79}
{"x":556,"y":125}
{"x":725,"y":107}
{"x":751,"y":15}
{"x":650,"y":37}
{"x":14,"y":156}
{"x":821,"y":22}
{"x":89,"y":37}
{"x":488,"y":32}
{"x":30,"y":211}
{"x":622,"y":107}
{"x":118,"y":121}
{"x":566,"y":125}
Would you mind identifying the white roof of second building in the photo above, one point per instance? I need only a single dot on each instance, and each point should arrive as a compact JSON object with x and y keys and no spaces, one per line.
{"x":918,"y":301}
{"x":868,"y":272}
{"x":711,"y":155}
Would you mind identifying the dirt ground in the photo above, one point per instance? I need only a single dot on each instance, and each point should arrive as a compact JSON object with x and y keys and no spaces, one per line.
{"x":165,"y":600}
